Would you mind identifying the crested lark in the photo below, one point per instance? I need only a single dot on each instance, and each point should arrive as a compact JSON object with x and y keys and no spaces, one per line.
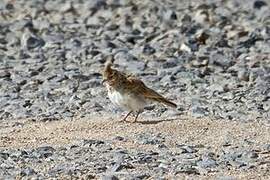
{"x":128,"y":92}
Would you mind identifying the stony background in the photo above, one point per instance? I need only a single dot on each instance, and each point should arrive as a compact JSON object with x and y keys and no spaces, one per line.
{"x":211,"y":57}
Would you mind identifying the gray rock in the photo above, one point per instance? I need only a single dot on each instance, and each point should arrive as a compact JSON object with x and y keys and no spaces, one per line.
{"x":141,"y":176}
{"x":259,"y":4}
{"x":243,"y":75}
{"x":148,"y":50}
{"x":109,"y":177}
{"x":198,"y":112}
{"x":167,"y":80}
{"x":31,"y":41}
{"x":186,"y":169}
{"x":226,"y":178}
{"x":207,"y":162}
{"x":250,"y":155}
{"x":27,"y":172}
{"x":150,"y":139}
{"x":116,"y":167}
{"x":91,"y":142}
{"x":170,"y":63}
{"x":266,"y":147}
{"x":119,"y":138}
{"x":5,"y":74}
{"x":44,"y":151}
{"x":4,"y":155}
{"x":220,"y":59}
{"x":186,"y":149}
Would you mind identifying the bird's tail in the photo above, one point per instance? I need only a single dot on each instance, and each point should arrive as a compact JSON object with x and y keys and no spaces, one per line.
{"x":168,"y":103}
{"x":153,"y":95}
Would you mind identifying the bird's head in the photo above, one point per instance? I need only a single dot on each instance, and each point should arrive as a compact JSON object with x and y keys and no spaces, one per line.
{"x":110,"y":76}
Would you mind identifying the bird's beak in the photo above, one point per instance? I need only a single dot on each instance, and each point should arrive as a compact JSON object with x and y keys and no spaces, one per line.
{"x":103,"y":81}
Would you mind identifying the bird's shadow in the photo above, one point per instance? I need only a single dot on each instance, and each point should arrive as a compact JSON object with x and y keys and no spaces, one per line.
{"x":149,"y":122}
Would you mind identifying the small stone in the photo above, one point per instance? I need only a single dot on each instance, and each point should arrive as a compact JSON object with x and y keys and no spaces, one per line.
{"x":185,"y":47}
{"x":202,"y":36}
{"x":4,"y":155}
{"x":44,"y":151}
{"x":250,"y":155}
{"x":201,"y":16}
{"x":31,"y":41}
{"x":199,"y":111}
{"x":28,"y":172}
{"x":186,"y":169}
{"x":116,"y":167}
{"x":266,"y":147}
{"x":167,"y":80}
{"x":249,"y":41}
{"x":207,"y":163}
{"x":259,"y":4}
{"x":119,"y":138}
{"x":142,"y":176}
{"x":150,"y":139}
{"x":5,"y":74}
{"x":170,"y":63}
{"x":243,"y":75}
{"x":66,"y":7}
{"x":228,"y":96}
{"x":220,"y":59}
{"x":109,"y":177}
{"x":226,"y":178}
{"x":200,"y":63}
{"x":163,"y":166}
{"x":91,"y":142}
{"x":41,"y":24}
{"x":186,"y":149}
{"x":148,"y":50}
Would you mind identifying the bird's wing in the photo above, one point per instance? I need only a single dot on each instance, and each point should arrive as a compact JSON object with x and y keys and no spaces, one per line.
{"x":138,"y":87}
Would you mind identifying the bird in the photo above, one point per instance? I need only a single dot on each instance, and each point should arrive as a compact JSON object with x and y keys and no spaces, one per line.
{"x":128,"y":92}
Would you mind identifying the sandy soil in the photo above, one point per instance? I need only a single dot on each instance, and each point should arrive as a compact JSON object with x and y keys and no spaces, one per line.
{"x":182,"y":130}
{"x":177,"y":130}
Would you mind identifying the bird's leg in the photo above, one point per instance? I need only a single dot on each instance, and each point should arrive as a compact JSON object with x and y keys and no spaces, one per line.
{"x":124,"y":119}
{"x":137,"y":115}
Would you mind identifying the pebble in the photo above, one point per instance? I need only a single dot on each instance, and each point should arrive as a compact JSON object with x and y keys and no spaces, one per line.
{"x":109,"y":177}
{"x":27,"y":172}
{"x":207,"y":163}
{"x":259,"y":4}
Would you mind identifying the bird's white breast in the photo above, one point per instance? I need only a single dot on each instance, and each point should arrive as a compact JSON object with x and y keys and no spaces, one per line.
{"x":128,"y":101}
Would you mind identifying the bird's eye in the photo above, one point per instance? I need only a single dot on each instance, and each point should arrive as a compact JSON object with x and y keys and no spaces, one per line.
{"x":110,"y":76}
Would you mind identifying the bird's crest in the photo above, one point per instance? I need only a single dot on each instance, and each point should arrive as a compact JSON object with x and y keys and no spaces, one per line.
{"x":109,"y":62}
{"x":108,"y":65}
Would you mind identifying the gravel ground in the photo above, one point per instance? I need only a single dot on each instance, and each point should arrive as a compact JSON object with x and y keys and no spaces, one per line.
{"x":156,"y":148}
{"x":211,"y":57}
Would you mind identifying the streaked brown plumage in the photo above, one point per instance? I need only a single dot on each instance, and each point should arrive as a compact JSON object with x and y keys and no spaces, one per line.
{"x":128,"y":92}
